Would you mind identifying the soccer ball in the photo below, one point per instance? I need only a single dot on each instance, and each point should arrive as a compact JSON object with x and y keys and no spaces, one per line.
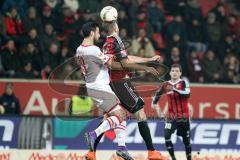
{"x":109,"y":14}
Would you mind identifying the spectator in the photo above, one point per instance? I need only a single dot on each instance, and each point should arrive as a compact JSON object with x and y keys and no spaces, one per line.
{"x":123,"y":34}
{"x":142,"y":42}
{"x":214,"y":31}
{"x":228,"y":45}
{"x":10,"y":60}
{"x":130,"y":7}
{"x":93,"y":6}
{"x":123,"y":20}
{"x":66,"y":73}
{"x":32,"y":37}
{"x":195,"y":67}
{"x":213,"y":70}
{"x":232,"y":66}
{"x":31,"y":55}
{"x":69,"y":21}
{"x":20,"y":5}
{"x":48,"y":38}
{"x":74,"y":40}
{"x":156,"y":16}
{"x":176,"y":34}
{"x":220,"y":13}
{"x":65,"y":55}
{"x":52,"y":56}
{"x":2,"y":26}
{"x":32,"y":20}
{"x":176,"y":58}
{"x":174,"y":6}
{"x":81,"y":104}
{"x":45,"y":73}
{"x":233,"y":27}
{"x":9,"y":101}
{"x":13,"y":22}
{"x":196,"y":35}
{"x":193,"y":11}
{"x":47,"y":16}
{"x":141,"y":17}
{"x":27,"y":71}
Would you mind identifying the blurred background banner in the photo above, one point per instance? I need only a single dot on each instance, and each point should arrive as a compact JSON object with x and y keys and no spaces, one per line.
{"x":207,"y":136}
{"x":206,"y":101}
{"x":9,"y":132}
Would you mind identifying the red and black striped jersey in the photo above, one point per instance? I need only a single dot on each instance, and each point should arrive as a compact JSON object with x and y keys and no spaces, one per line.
{"x":177,"y":99}
{"x":114,"y":46}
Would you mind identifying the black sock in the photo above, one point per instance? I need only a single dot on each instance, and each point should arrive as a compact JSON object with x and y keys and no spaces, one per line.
{"x":188,"y":150}
{"x":170,"y":148}
{"x":188,"y":147}
{"x":145,"y":133}
{"x":97,"y":141}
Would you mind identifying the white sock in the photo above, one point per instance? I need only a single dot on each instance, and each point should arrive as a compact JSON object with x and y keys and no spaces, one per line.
{"x":120,"y":132}
{"x":109,"y":123}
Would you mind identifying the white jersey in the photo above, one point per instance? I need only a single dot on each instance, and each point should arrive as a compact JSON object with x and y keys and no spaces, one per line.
{"x":94,"y":67}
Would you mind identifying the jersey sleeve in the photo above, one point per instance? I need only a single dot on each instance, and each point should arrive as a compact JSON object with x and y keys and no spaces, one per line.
{"x":119,"y":49}
{"x":186,"y":89}
{"x":102,"y":58}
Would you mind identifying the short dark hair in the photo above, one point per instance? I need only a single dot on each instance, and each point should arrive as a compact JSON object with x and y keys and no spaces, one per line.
{"x":88,"y":27}
{"x":177,"y":66}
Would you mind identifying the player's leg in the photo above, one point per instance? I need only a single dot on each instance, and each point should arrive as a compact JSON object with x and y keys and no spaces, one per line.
{"x":115,"y":118}
{"x":132,"y":102}
{"x":169,"y":128}
{"x":184,"y":131}
{"x":109,"y":103}
{"x":120,"y":132}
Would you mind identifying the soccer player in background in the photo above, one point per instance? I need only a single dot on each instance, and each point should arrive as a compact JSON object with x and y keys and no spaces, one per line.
{"x":94,"y":65}
{"x":177,"y":116}
{"x":123,"y":88}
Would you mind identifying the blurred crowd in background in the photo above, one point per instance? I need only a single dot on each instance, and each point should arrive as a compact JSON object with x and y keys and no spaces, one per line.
{"x":203,"y":36}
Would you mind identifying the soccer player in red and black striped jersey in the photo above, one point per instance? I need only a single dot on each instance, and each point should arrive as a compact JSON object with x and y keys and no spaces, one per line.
{"x":177,"y":117}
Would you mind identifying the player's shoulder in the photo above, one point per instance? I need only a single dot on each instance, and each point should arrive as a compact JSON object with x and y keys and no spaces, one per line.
{"x":114,"y":39}
{"x":185,"y":81}
{"x":88,"y":48}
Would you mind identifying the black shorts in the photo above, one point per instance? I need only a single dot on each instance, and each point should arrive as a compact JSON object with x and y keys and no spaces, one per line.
{"x":181,"y":125}
{"x":127,"y":95}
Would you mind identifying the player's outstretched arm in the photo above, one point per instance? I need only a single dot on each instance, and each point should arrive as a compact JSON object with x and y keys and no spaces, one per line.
{"x":136,"y":59}
{"x":127,"y":64}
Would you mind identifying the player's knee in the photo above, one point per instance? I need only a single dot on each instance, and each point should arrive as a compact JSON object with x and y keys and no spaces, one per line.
{"x":167,"y":136}
{"x":141,"y":115}
{"x":119,"y":112}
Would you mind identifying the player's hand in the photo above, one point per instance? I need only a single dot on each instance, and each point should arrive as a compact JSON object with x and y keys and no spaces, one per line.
{"x":169,"y":87}
{"x":156,"y":58}
{"x":152,"y":71}
{"x":166,"y":87}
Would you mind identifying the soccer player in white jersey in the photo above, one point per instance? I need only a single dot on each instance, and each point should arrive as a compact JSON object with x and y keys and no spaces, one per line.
{"x":94,"y":65}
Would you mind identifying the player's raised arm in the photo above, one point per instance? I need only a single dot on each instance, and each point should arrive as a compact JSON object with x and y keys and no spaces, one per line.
{"x":136,"y":59}
{"x":164,"y":88}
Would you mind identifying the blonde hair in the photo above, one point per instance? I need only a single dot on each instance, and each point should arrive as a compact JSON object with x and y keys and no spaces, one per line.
{"x":109,"y":27}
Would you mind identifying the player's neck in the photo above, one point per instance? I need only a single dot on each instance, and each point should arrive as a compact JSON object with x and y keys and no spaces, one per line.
{"x":87,"y":41}
{"x":174,"y":80}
